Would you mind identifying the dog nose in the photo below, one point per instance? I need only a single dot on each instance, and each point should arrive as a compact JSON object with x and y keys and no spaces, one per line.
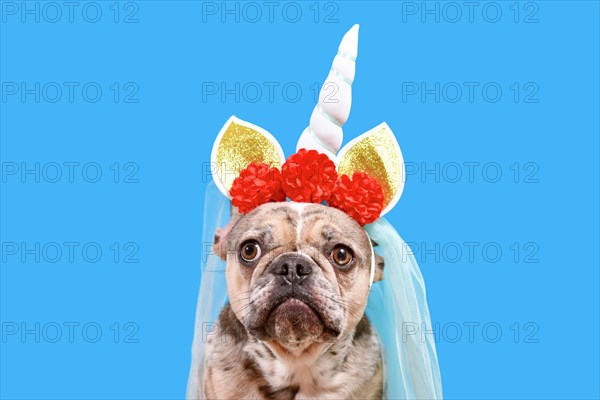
{"x":292,"y":266}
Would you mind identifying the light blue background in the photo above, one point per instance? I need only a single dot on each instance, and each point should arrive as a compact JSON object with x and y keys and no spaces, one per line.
{"x":169,"y":132}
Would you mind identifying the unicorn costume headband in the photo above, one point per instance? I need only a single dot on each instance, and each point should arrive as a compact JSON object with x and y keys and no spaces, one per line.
{"x":365,"y":179}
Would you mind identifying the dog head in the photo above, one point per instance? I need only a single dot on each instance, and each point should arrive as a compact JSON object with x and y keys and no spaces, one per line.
{"x":297,"y":272}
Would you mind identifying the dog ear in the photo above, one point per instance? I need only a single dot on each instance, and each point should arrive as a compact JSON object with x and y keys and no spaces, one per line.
{"x":379,"y":264}
{"x":220,"y":240}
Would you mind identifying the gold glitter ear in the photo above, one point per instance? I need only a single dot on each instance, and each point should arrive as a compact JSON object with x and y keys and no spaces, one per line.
{"x":378,"y":154}
{"x":239,"y":144}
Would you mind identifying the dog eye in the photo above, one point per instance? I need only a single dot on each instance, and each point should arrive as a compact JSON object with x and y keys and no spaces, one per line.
{"x":250,"y":251}
{"x":342,"y":255}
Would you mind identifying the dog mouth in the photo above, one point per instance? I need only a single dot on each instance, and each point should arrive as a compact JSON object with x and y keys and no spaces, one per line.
{"x":293,"y":318}
{"x":296,"y":309}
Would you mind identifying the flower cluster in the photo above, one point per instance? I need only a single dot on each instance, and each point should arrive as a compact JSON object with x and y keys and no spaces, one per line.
{"x":310,"y":177}
{"x":257,"y":184}
{"x":360,"y":197}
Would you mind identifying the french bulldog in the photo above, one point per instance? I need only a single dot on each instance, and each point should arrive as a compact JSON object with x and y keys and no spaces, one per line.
{"x":298,"y":278}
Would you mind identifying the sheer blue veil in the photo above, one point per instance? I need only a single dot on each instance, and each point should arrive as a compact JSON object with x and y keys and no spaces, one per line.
{"x":213,"y":287}
{"x":398,"y":309}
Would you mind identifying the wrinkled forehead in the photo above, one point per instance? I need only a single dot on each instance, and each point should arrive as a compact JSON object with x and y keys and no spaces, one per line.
{"x":293,"y":222}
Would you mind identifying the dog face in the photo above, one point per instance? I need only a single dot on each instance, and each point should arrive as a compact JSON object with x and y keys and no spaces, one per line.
{"x":298,"y":272}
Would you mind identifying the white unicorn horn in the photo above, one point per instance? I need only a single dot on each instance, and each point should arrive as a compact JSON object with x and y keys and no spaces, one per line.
{"x":324,"y":132}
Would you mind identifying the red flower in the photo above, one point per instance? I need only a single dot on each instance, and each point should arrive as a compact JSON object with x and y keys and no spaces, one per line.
{"x":308,"y":176}
{"x":360,"y":197}
{"x":257,"y":184}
